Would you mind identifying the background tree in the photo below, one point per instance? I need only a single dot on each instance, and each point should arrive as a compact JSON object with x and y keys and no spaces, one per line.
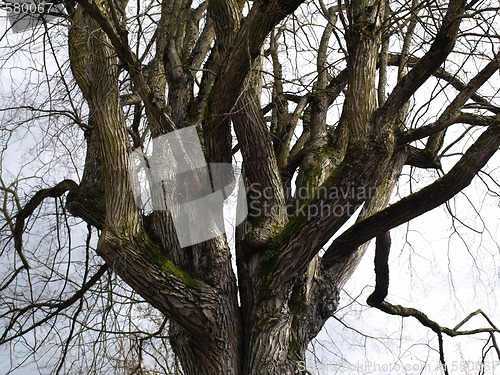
{"x":328,"y":103}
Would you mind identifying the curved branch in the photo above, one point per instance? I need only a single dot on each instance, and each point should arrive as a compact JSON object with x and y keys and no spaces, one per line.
{"x":54,"y":192}
{"x":259,"y":162}
{"x":377,"y":300}
{"x":422,"y":158}
{"x":406,"y":312}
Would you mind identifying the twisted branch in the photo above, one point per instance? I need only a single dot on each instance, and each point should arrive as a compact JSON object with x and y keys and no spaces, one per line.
{"x":54,"y":192}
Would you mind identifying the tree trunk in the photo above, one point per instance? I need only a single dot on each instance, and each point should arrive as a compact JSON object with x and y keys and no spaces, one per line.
{"x":263,"y":322}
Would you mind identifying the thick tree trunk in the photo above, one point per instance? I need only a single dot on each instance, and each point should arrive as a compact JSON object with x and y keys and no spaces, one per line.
{"x":209,"y":332}
{"x":263,"y":322}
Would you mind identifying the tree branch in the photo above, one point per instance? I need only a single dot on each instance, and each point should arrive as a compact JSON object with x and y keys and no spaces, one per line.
{"x":383,"y":246}
{"x":59,"y":306}
{"x":377,"y":300}
{"x":429,"y":129}
{"x":260,"y":166}
{"x":439,"y":50}
{"x":422,"y":158}
{"x":435,"y":141}
{"x":171,"y":290}
{"x":453,"y":80}
{"x":119,"y":40}
{"x":228,"y":86}
{"x":54,"y":192}
{"x":414,"y":205}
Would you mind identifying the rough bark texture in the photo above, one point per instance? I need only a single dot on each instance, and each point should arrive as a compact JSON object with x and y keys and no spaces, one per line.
{"x":286,"y":290}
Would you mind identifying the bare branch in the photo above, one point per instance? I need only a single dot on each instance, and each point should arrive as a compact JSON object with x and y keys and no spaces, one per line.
{"x":422,"y":201}
{"x":58,"y":307}
{"x":440,"y":48}
{"x":38,"y":198}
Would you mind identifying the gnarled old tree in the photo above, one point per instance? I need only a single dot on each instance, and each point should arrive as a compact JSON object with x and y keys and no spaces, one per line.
{"x":317,"y":141}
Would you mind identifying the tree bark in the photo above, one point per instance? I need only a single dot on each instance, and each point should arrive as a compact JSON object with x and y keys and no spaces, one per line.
{"x":263,"y":322}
